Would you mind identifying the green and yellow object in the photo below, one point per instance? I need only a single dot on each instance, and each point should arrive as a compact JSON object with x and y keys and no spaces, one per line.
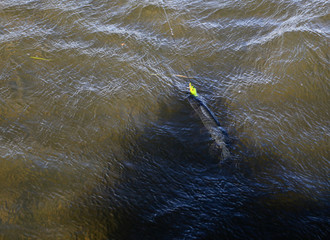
{"x":193,"y":90}
{"x":40,"y":58}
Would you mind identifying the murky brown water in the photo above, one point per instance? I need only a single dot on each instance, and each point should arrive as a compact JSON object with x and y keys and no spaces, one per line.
{"x":98,"y":141}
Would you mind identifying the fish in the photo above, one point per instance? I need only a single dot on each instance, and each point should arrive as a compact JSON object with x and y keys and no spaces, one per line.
{"x":218,"y":134}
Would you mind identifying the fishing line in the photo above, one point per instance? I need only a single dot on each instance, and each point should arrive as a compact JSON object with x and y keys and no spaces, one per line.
{"x":168,"y":21}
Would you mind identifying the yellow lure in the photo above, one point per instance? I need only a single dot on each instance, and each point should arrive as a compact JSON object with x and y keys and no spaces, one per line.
{"x":193,"y":90}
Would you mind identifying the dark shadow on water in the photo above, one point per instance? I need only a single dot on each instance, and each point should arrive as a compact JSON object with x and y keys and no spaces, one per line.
{"x":171,"y":188}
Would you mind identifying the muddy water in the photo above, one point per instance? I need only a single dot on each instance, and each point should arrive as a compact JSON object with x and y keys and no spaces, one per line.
{"x":98,"y":140}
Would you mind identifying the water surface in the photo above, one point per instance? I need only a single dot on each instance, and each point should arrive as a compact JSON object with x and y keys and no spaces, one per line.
{"x":98,"y":140}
